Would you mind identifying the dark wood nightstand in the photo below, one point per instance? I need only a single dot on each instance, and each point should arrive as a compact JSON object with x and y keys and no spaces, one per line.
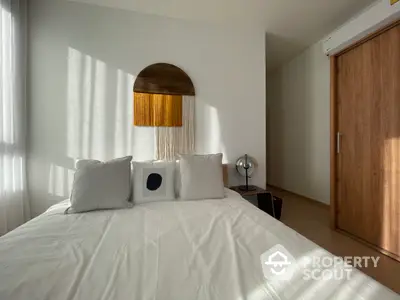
{"x":265,"y":201}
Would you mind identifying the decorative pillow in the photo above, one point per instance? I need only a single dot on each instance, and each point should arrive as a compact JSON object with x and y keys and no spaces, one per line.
{"x":81,"y":163}
{"x":99,"y":185}
{"x":153,"y":181}
{"x":201,"y":177}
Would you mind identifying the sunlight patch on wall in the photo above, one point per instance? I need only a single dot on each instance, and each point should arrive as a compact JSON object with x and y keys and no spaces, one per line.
{"x":60,"y":181}
{"x":214,"y":132}
{"x":13,"y":165}
{"x":84,"y":110}
{"x":97,"y":129}
{"x":75,"y":59}
{"x":100,"y":112}
{"x":123,"y":115}
{"x":7,"y":92}
{"x":86,"y":106}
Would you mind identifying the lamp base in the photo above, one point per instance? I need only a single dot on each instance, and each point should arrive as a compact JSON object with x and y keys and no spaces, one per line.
{"x":247,"y":188}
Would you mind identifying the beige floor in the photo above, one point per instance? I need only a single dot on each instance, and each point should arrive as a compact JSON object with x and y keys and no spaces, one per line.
{"x":312,"y":221}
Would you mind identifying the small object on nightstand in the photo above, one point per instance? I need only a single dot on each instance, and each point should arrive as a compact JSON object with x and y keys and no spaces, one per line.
{"x":265,"y":200}
{"x":245,"y":166}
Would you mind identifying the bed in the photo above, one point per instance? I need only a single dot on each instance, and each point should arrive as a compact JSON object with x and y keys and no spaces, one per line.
{"x":207,"y":249}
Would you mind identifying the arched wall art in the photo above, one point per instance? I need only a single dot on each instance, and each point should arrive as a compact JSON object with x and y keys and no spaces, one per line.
{"x":158,"y":92}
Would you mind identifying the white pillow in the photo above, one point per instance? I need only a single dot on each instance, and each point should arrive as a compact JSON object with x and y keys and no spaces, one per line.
{"x":81,"y":163}
{"x":201,"y":177}
{"x":153,"y":181}
{"x":99,"y":185}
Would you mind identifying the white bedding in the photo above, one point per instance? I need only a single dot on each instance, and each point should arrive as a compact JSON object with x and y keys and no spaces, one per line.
{"x":208,"y":249}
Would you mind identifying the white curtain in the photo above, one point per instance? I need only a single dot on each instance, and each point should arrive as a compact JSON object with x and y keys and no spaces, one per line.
{"x":14,"y":207}
{"x":171,"y":141}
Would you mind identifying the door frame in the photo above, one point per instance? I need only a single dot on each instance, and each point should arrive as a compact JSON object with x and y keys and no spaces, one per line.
{"x":334,"y":177}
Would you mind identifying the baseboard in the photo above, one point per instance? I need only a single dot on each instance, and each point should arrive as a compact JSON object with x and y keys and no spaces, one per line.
{"x":313,"y":201}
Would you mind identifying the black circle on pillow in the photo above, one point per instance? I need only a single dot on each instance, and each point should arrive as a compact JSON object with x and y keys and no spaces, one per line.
{"x":154,"y":181}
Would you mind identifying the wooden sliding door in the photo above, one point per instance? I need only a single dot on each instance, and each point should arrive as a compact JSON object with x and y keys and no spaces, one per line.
{"x":367,"y":183}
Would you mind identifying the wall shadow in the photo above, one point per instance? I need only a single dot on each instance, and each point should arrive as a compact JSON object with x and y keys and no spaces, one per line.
{"x":289,"y":128}
{"x":298,"y":125}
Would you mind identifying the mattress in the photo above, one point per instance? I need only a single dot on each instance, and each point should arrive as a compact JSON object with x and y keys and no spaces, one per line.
{"x":208,"y":249}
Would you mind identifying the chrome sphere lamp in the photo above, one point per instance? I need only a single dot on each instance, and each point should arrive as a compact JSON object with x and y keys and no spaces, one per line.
{"x":245,"y":166}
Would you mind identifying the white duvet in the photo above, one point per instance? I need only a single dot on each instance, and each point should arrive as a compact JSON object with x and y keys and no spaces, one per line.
{"x":207,"y":249}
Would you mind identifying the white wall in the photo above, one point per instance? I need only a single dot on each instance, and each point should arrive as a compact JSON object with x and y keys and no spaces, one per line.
{"x":378,"y":15}
{"x":298,"y":125}
{"x":83,"y":62}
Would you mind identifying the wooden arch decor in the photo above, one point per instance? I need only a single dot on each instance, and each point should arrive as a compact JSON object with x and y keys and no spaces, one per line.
{"x":164,"y":79}
{"x":158,"y":92}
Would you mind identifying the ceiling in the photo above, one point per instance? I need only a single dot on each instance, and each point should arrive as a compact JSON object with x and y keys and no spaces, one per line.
{"x":291,"y":25}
